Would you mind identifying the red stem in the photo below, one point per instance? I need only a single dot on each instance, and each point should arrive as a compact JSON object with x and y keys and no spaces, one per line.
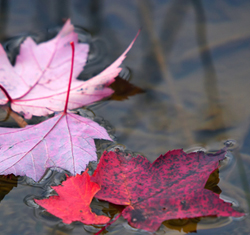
{"x":6,"y":93}
{"x":70,"y":77}
{"x":108,"y":224}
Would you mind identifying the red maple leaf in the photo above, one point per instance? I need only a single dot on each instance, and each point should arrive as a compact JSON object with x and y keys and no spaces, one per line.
{"x":73,"y":201}
{"x":65,"y":141}
{"x":37,"y":84}
{"x":170,"y":188}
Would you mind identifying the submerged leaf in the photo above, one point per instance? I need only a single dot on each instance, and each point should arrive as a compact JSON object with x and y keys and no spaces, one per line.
{"x":123,"y":89}
{"x":185,"y":225}
{"x":7,"y":183}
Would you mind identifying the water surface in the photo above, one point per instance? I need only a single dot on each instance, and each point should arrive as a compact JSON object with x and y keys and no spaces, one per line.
{"x":191,"y":58}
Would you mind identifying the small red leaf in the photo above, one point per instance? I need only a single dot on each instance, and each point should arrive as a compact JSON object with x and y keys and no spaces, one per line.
{"x":73,"y":201}
{"x":170,"y":188}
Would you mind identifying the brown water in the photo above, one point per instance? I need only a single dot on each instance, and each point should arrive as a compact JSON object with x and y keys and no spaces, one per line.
{"x":192,"y":58}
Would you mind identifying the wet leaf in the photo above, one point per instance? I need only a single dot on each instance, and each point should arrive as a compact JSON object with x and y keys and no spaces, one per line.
{"x":212,"y":182}
{"x":64,"y":141}
{"x":73,"y":201}
{"x":37,"y":84}
{"x":185,"y":225}
{"x":190,"y":225}
{"x":170,"y":188}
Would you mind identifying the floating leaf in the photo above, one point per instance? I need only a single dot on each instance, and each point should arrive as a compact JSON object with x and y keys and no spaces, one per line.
{"x":73,"y":201}
{"x":65,"y":141}
{"x":170,"y":188}
{"x":37,"y":84}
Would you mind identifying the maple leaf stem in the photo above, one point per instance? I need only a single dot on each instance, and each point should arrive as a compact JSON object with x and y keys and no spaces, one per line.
{"x":109,"y":223}
{"x":70,"y":76}
{"x":19,"y":120}
{"x":6,"y":93}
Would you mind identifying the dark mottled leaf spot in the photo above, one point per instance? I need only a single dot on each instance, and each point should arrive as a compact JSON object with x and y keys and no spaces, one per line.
{"x":137,"y":216}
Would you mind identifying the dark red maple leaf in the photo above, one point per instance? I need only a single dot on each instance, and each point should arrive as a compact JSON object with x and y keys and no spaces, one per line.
{"x":170,"y":188}
{"x":73,"y":201}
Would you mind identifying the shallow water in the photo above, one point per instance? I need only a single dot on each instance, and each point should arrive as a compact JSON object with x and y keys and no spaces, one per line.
{"x":192,"y":60}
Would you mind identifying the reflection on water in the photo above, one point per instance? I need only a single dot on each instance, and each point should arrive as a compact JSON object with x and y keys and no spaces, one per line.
{"x":215,"y":111}
{"x":7,"y":183}
{"x":191,"y":59}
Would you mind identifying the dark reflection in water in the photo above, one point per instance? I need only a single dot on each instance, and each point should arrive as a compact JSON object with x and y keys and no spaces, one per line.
{"x":161,"y":51}
{"x":192,"y":61}
{"x":215,"y":111}
{"x":3,"y":17}
{"x":7,"y":183}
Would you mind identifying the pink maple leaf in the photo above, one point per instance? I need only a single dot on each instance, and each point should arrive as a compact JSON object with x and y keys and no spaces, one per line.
{"x":37,"y":84}
{"x":65,"y":141}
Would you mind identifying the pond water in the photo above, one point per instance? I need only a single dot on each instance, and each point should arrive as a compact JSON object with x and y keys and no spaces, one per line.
{"x":191,"y":59}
